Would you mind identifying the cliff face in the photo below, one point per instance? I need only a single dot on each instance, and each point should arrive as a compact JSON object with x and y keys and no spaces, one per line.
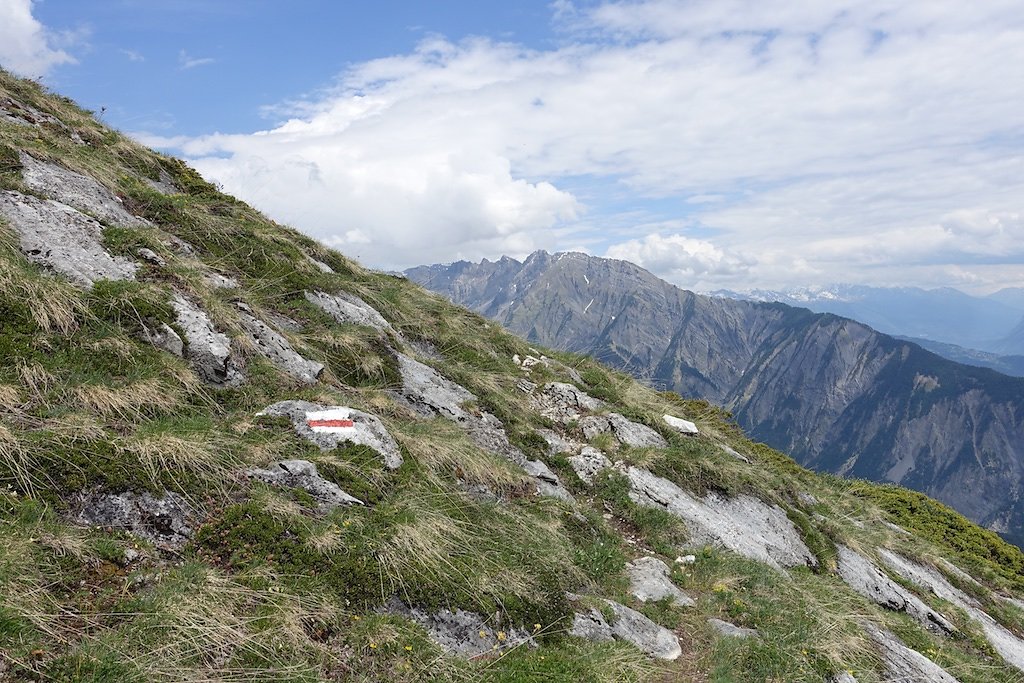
{"x":837,"y":395}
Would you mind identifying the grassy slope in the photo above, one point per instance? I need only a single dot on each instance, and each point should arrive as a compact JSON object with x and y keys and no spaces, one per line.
{"x":271,"y":590}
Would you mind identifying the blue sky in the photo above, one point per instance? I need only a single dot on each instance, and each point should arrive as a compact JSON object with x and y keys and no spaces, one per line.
{"x":719,"y":143}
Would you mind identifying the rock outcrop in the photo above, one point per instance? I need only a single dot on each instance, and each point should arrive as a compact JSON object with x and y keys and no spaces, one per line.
{"x":77,"y":191}
{"x":649,"y":580}
{"x":207,"y":350}
{"x":278,"y":350}
{"x":167,"y":521}
{"x":724,"y":628}
{"x":904,"y":665}
{"x":330,"y":426}
{"x":864,"y":577}
{"x":625,"y":431}
{"x":348,"y":308}
{"x":462,"y":633}
{"x":628,"y":625}
{"x":63,"y":239}
{"x":302,"y":474}
{"x":742,"y":524}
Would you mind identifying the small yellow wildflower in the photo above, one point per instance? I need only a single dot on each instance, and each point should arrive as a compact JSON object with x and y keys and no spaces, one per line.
{"x":408,"y":648}
{"x":501,"y":635}
{"x":536,"y":627}
{"x":483,"y":634}
{"x":373,"y":646}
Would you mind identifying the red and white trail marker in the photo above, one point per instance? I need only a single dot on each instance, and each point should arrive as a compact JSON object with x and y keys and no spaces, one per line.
{"x":335,"y":421}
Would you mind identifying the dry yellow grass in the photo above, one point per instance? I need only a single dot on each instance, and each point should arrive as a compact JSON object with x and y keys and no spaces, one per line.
{"x":10,"y":398}
{"x":56,"y":306}
{"x":161,"y":455}
{"x":36,"y":379}
{"x":131,"y":402}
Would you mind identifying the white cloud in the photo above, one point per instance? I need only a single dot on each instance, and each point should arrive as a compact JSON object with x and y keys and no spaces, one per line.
{"x":26,"y":47}
{"x":186,"y":61}
{"x":689,"y":261}
{"x":833,"y":140}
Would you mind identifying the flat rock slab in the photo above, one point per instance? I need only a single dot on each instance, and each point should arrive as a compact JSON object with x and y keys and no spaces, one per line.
{"x":625,"y":431}
{"x":302,"y":474}
{"x":564,"y":403}
{"x":559,"y":444}
{"x":864,"y":577}
{"x":744,"y":524}
{"x":348,"y":308}
{"x":731,"y":630}
{"x":330,"y":426}
{"x":628,"y":625}
{"x":462,"y":633}
{"x":23,"y":114}
{"x":63,"y":239}
{"x":680,"y":425}
{"x":275,"y":348}
{"x":207,"y":350}
{"x":1003,"y":641}
{"x":167,"y":521}
{"x":649,"y":581}
{"x":904,"y":665}
{"x":78,"y":191}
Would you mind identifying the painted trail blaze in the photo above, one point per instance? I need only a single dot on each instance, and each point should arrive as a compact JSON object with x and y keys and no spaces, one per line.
{"x":330,"y":423}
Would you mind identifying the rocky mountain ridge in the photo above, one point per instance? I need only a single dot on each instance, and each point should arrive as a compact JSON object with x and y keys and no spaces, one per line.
{"x":834,"y":393}
{"x":229,"y":453}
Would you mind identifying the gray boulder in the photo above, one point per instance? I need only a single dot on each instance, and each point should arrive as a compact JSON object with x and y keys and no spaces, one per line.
{"x":302,"y":474}
{"x":164,"y":337}
{"x":218,"y":281}
{"x":588,"y":462}
{"x":78,"y":191}
{"x":564,"y":402}
{"x":207,"y":351}
{"x":558,"y":443}
{"x":649,"y":581}
{"x":311,"y":422}
{"x":164,"y":184}
{"x":625,"y":431}
{"x":1003,"y":641}
{"x":743,"y":524}
{"x":680,"y":425}
{"x":865,"y":578}
{"x":166,"y":521}
{"x":348,"y":308}
{"x":904,"y":665}
{"x":462,"y":633}
{"x":731,"y":630}
{"x":628,"y":625}
{"x":278,"y":351}
{"x":67,"y":241}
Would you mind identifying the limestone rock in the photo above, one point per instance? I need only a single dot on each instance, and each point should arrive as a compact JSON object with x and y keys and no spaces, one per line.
{"x":1008,"y":645}
{"x":302,"y":474}
{"x":865,"y":578}
{"x":151,"y":256}
{"x":278,"y":351}
{"x":166,"y":521}
{"x":164,"y":337}
{"x":547,"y":481}
{"x":321,"y":266}
{"x":731,"y":630}
{"x":904,"y":665}
{"x":218,"y":281}
{"x":588,"y":462}
{"x":743,"y":524}
{"x":625,"y":431}
{"x":628,"y":625}
{"x":429,"y":394}
{"x":164,"y":184}
{"x":649,"y":580}
{"x":564,"y":402}
{"x":733,"y":453}
{"x":78,"y":191}
{"x":462,"y":633}
{"x":558,"y":443}
{"x":208,"y":351}
{"x":58,"y":237}
{"x":348,"y":308}
{"x":680,"y":425}
{"x":312,"y":421}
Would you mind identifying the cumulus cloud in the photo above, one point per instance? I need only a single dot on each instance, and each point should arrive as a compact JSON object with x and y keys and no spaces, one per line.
{"x":682,"y":259}
{"x":26,"y":47}
{"x":834,"y":139}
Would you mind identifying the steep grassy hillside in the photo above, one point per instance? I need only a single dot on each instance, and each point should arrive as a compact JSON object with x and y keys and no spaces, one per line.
{"x":228,"y":453}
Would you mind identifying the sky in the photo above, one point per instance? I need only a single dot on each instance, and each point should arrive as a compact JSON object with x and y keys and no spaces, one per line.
{"x":719,"y":143}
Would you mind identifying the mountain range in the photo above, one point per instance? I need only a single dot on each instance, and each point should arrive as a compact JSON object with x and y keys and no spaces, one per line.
{"x":993,"y":324}
{"x":835,"y":393}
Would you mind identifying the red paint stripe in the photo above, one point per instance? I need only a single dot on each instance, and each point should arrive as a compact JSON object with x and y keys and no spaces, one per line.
{"x":330,"y":423}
